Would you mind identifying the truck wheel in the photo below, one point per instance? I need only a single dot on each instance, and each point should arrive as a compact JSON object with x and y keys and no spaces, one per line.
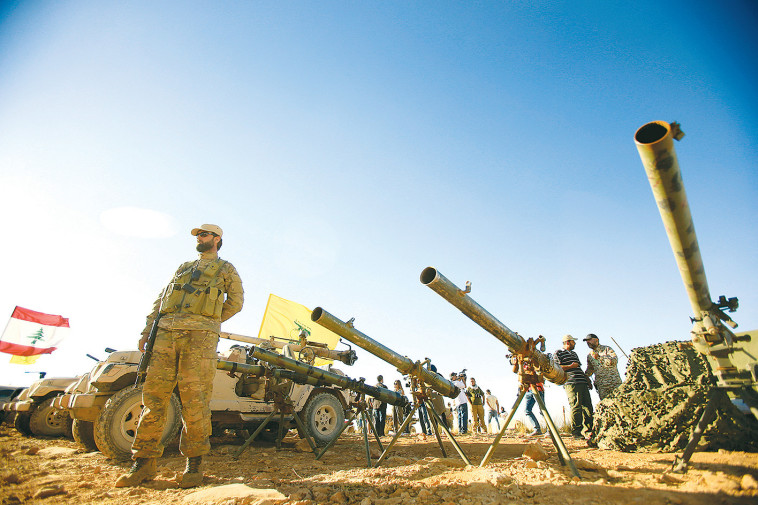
{"x":45,"y":420}
{"x":21,"y":422}
{"x":323,"y":417}
{"x":117,"y":423}
{"x":84,"y":434}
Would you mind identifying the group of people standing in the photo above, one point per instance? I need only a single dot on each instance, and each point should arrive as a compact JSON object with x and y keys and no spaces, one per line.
{"x":602,"y":362}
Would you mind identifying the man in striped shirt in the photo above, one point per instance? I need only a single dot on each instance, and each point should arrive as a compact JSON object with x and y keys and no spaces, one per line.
{"x":577,"y":388}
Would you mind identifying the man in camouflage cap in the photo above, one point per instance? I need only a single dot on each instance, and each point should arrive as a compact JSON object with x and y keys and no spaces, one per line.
{"x":201,"y":295}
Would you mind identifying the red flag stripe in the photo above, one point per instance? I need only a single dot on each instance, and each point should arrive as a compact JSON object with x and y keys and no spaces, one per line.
{"x":24,"y":350}
{"x":39,"y":317}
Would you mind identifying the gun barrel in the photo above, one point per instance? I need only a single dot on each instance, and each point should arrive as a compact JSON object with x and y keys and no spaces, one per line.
{"x":655,"y":144}
{"x":441,"y":285}
{"x":259,"y":370}
{"x":402,"y":363}
{"x":382,"y":394}
{"x":346,"y":357}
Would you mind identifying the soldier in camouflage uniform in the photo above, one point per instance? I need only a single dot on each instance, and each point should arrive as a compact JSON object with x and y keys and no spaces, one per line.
{"x":602,"y":361}
{"x":202,"y":294}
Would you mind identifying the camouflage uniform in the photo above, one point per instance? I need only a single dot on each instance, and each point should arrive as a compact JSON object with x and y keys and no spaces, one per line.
{"x":602,"y":362}
{"x":184,"y":355}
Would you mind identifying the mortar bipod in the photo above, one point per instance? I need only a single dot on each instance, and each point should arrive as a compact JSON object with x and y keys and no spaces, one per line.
{"x":418,"y":390}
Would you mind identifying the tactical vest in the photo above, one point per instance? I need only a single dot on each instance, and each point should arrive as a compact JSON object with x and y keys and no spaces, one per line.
{"x":195,"y":291}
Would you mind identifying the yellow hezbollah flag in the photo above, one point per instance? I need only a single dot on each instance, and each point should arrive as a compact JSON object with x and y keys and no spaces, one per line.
{"x":285,"y":319}
{"x":24,"y":360}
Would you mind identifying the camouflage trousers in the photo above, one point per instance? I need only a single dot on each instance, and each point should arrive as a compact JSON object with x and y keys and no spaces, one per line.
{"x":186,"y":360}
{"x":477,"y":412}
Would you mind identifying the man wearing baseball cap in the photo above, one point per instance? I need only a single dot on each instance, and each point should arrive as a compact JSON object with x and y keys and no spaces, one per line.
{"x":202,"y":294}
{"x":603,"y":363}
{"x":577,"y":388}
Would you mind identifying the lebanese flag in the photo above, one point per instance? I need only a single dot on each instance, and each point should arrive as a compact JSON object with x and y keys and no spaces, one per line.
{"x":30,"y":332}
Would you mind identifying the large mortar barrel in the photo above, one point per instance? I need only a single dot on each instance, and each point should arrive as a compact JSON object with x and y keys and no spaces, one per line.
{"x":515,"y":343}
{"x":655,"y":144}
{"x":382,"y":394}
{"x":402,"y":363}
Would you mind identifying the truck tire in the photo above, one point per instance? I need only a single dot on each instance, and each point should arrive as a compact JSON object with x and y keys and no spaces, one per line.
{"x":323,"y":417}
{"x":21,"y":423}
{"x":117,"y":423}
{"x":68,"y":425}
{"x":84,"y":434}
{"x":45,"y":420}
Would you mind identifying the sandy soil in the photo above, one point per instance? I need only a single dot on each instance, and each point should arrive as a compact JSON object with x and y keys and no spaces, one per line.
{"x":57,"y":471}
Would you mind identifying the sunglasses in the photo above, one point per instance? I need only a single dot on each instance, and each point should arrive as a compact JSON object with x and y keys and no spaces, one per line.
{"x":206,"y":233}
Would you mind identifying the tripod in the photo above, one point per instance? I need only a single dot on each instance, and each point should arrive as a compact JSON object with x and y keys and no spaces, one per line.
{"x":563,"y":454}
{"x":420,"y":396}
{"x":362,"y":412}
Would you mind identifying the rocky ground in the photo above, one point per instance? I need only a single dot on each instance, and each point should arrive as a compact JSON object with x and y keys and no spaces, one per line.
{"x":57,"y":471}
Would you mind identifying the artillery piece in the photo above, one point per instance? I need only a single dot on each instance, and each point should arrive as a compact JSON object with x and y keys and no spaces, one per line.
{"x":459,"y":298}
{"x":421,"y":377}
{"x":285,"y":368}
{"x":732,"y":356}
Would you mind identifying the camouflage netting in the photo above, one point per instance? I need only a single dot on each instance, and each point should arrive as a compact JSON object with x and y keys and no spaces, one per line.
{"x":662,"y":398}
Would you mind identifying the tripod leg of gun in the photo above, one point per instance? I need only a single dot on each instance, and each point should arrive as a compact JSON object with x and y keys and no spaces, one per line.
{"x":255,"y":434}
{"x":334,"y":440}
{"x":491,"y":450}
{"x":400,"y":430}
{"x":709,"y":414}
{"x":557,"y":440}
{"x":449,"y":434}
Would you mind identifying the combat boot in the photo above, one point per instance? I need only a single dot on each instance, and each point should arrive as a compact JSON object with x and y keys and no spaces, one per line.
{"x":143,"y":469}
{"x":192,"y":476}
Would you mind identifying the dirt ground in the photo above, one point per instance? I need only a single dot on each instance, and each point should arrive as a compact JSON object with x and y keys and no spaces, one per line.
{"x":57,"y":471}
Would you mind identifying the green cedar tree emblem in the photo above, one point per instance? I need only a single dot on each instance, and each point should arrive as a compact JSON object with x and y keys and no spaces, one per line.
{"x":38,"y":335}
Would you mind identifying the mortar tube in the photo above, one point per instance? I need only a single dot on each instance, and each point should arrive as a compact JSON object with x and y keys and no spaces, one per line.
{"x":402,"y":363}
{"x":516,"y":344}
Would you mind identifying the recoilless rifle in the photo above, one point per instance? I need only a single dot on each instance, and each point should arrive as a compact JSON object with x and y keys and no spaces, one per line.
{"x":732,"y":357}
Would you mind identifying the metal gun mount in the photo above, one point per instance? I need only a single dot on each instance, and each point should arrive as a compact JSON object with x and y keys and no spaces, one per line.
{"x":516,"y":344}
{"x":732,"y":356}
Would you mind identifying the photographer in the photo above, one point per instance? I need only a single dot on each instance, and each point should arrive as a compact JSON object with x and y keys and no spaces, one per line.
{"x":461,"y":402}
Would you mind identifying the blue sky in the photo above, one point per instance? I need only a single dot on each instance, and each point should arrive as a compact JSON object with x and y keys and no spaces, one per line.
{"x":346,"y":146}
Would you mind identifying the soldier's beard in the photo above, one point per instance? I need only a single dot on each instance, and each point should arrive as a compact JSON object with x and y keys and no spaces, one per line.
{"x":204,"y":246}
